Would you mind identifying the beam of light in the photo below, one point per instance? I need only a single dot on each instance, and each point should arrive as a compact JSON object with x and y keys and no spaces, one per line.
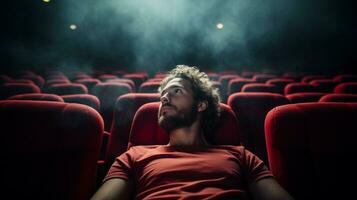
{"x":73,"y":27}
{"x":219,"y":26}
{"x":46,"y":1}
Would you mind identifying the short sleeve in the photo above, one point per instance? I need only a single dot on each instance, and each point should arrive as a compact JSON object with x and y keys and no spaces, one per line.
{"x":255,"y":169}
{"x":122,"y":167}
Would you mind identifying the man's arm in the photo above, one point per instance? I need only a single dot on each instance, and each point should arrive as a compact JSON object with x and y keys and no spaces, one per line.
{"x":268,"y":189}
{"x":115,"y":188}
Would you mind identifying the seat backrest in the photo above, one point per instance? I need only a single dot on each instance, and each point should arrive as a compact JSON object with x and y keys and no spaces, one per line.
{"x":85,"y":99}
{"x":345,"y":78}
{"x":67,"y":89}
{"x":324,"y":85}
{"x":260,"y":87}
{"x":339,"y":98}
{"x":108,"y":94}
{"x":251,"y":109}
{"x":37,"y":96}
{"x":89,"y":83}
{"x":49,"y":150}
{"x":311,"y":147}
{"x":149,"y":87}
{"x":303,"y":97}
{"x":236,"y":84}
{"x":346,"y":88}
{"x":10,"y":89}
{"x":280,"y":83}
{"x":125,"y":109}
{"x":145,"y":129}
{"x":299,"y":87}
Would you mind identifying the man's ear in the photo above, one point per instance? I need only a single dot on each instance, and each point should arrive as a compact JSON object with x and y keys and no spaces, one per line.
{"x":202,"y":106}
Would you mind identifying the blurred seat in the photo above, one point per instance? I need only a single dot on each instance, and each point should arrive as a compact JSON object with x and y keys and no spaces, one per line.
{"x":125,"y":109}
{"x":251,"y":109}
{"x":345,"y":78}
{"x":236,"y":85}
{"x":324,"y":85}
{"x":299,"y":87}
{"x":89,"y":83}
{"x":49,"y":150}
{"x":311,"y":147}
{"x":10,"y":89}
{"x":146,"y":130}
{"x":303,"y":97}
{"x":149,"y":87}
{"x":309,"y":78}
{"x":280,"y":83}
{"x":260,"y":87}
{"x":85,"y":99}
{"x":346,"y":88}
{"x":339,"y":98}
{"x":107,"y":94}
{"x":67,"y":89}
{"x":262,"y":78}
{"x":37,"y":96}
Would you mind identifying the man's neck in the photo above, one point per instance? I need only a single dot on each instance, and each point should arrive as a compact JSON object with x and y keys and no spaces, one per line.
{"x":191,"y":136}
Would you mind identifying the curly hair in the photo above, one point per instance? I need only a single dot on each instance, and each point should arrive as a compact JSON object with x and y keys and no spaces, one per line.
{"x":202,"y":91}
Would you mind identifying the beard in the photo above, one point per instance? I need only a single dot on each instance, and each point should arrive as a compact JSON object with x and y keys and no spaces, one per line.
{"x":182,"y":118}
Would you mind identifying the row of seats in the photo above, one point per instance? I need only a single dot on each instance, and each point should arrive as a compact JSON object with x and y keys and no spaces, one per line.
{"x":66,"y":148}
{"x":251,"y":109}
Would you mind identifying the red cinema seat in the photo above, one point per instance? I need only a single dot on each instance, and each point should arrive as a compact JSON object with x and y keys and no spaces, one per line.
{"x":54,"y":81}
{"x":37,"y":96}
{"x":224,"y":80}
{"x":49,"y":150}
{"x":236,"y":84}
{"x":303,"y":97}
{"x":324,"y":85}
{"x":106,"y":77}
{"x":280,"y":83}
{"x":149,"y":87}
{"x":67,"y":89}
{"x":5,"y":79}
{"x":37,"y":79}
{"x":108,"y":94}
{"x":260,"y":87}
{"x":346,"y":88}
{"x":10,"y":89}
{"x":85,"y":99}
{"x":124,"y":80}
{"x":145,"y":129}
{"x":137,"y":78}
{"x":89,"y":83}
{"x":262,"y":78}
{"x":309,"y":78}
{"x":251,"y":109}
{"x":125,"y":109}
{"x":22,"y":81}
{"x":345,"y":78}
{"x":339,"y":98}
{"x":299,"y":87}
{"x":311,"y":148}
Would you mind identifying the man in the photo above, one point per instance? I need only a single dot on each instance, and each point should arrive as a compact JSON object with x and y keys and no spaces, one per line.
{"x":188,"y":167}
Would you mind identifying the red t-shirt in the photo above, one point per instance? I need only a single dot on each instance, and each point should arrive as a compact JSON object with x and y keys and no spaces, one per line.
{"x":212,"y":172}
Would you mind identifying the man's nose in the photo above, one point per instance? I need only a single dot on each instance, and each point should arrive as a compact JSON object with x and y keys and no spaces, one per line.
{"x":164,"y":98}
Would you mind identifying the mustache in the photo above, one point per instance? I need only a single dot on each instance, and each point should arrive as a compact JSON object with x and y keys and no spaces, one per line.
{"x":168,"y":105}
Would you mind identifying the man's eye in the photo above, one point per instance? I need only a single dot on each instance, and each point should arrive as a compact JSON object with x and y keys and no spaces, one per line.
{"x":178,"y":91}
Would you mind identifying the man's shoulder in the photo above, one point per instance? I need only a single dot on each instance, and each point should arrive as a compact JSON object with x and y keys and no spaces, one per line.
{"x":143,"y":148}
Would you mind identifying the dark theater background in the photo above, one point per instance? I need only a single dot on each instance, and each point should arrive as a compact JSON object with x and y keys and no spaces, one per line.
{"x":79,"y":86}
{"x":287,"y":35}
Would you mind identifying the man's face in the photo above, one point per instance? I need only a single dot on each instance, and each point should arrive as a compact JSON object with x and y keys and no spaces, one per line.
{"x":178,"y":108}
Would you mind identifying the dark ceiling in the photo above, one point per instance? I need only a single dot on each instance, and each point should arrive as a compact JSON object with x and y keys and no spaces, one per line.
{"x":287,"y":35}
